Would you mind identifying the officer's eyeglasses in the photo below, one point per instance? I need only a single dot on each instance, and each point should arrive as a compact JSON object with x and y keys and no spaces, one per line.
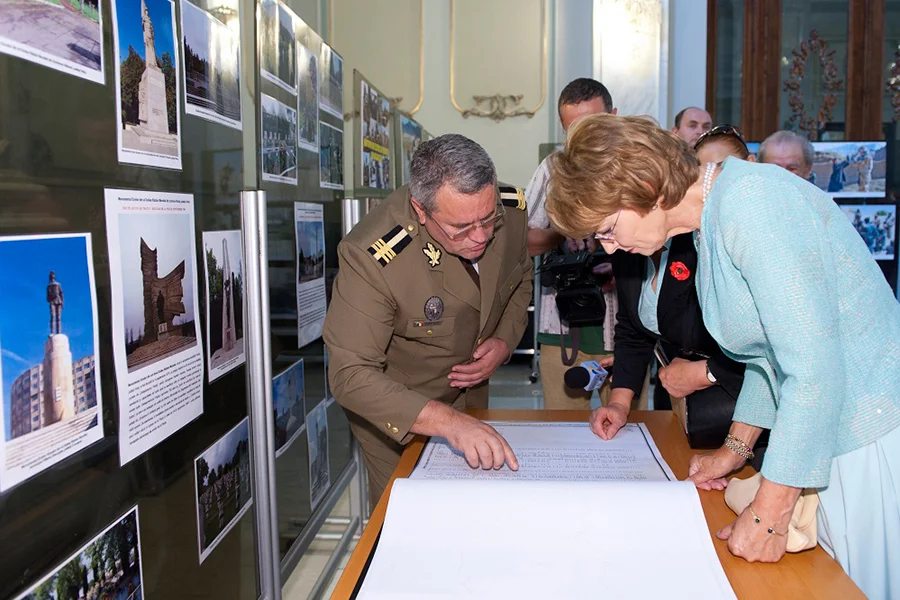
{"x":489,"y":222}
{"x":609,"y":235}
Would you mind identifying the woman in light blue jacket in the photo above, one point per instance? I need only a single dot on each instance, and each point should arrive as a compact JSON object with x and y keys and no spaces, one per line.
{"x":787,"y":286}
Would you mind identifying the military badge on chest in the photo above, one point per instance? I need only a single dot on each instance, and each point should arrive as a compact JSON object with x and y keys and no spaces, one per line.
{"x":434,"y":309}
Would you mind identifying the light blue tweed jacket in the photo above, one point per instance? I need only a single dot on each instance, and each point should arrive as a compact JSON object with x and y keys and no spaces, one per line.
{"x":788,"y":286}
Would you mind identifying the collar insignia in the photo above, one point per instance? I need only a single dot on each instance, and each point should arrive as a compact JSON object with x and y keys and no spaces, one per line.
{"x":433,"y":254}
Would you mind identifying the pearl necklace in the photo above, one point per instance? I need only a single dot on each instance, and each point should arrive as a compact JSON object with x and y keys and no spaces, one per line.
{"x":707,"y":185}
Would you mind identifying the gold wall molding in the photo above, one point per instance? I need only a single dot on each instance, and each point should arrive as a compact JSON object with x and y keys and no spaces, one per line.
{"x":500,"y":106}
{"x":418,"y":105}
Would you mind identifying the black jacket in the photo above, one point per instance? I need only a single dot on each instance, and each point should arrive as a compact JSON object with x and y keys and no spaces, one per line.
{"x":679,"y":318}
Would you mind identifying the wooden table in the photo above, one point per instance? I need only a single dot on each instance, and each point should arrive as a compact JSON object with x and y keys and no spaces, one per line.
{"x":810,"y":574}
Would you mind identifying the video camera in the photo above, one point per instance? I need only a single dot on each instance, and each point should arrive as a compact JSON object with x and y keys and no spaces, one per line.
{"x":578,"y":295}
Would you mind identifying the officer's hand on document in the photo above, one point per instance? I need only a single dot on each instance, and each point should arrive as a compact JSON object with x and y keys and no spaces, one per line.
{"x":487,"y":357}
{"x":479,"y":442}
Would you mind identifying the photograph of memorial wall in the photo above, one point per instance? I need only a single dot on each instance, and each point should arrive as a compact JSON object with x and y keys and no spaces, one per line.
{"x":222,"y":486}
{"x":65,"y":35}
{"x":147,"y":77}
{"x":212,"y":61}
{"x":48,"y":359}
{"x":107,"y":567}
{"x":224,"y":301}
{"x":308,"y":99}
{"x":158,"y":286}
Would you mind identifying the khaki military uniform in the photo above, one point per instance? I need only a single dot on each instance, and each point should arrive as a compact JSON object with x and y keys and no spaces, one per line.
{"x":388,"y":353}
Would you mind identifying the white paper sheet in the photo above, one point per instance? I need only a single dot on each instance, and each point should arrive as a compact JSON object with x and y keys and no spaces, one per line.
{"x":556,"y":451}
{"x":545,"y":539}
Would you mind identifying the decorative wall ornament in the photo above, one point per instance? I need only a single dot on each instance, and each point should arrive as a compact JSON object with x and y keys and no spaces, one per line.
{"x":832,"y":83}
{"x":501,"y":106}
{"x":893,"y":84}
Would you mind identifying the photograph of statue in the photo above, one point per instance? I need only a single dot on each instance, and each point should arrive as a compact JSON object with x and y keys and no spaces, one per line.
{"x":154,"y":295}
{"x":222,"y":486}
{"x":289,"y":406}
{"x":331,"y":82}
{"x":317,"y":440}
{"x":224,"y":301}
{"x":50,"y":370}
{"x":64,"y":35}
{"x":278,"y":44}
{"x":212,"y":65}
{"x":147,"y":83}
{"x":308,"y":99}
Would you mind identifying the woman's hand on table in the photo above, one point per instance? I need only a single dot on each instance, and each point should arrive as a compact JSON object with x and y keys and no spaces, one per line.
{"x":708,"y":470}
{"x":683,"y":377}
{"x":774,"y":505}
{"x":606,"y":421}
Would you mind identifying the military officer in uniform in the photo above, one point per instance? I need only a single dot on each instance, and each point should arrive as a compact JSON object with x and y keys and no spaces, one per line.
{"x":430,"y":298}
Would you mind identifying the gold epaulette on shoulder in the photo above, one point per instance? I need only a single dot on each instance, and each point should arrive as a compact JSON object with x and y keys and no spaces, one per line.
{"x":512,"y":197}
{"x":388,"y":246}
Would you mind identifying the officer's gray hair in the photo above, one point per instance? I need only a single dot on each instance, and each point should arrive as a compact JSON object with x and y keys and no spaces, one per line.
{"x":450,"y":159}
{"x":784,"y":137}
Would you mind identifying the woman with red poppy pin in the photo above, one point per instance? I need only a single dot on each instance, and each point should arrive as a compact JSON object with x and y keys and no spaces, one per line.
{"x":666,"y":310}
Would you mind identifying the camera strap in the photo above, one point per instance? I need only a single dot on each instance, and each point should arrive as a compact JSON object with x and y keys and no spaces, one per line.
{"x":576,"y":338}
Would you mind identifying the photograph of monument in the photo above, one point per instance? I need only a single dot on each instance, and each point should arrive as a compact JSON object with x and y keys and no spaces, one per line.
{"x":288,"y":399}
{"x":224,"y":301}
{"x":410,"y":142}
{"x":222,"y":486}
{"x":279,"y":141}
{"x":877,"y":225}
{"x":310,"y":250}
{"x":308,"y":99}
{"x":331,"y":82}
{"x":331,"y":157}
{"x":317,"y":440}
{"x":154,"y":296}
{"x":278,"y":45}
{"x":212,"y":62}
{"x":65,"y":35}
{"x":109,"y":566}
{"x":310,"y":277}
{"x":376,"y":138}
{"x":49,"y":365}
{"x":147,"y":83}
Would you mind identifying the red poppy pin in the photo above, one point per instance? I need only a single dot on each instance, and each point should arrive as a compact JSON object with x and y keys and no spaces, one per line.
{"x":679,"y":271}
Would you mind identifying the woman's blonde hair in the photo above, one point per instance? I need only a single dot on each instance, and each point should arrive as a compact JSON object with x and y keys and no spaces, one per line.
{"x":611,"y":163}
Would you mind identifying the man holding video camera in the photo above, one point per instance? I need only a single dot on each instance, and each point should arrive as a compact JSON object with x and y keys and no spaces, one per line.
{"x":574,"y":268}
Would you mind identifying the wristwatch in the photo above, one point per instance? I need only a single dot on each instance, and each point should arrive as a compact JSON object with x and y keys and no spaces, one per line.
{"x":709,"y":375}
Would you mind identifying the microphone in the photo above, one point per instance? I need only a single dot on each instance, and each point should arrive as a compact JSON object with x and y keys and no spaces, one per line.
{"x":589,"y":375}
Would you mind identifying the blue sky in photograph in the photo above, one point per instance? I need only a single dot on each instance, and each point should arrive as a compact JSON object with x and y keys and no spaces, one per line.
{"x":222,"y":451}
{"x":199,"y":28}
{"x":212,"y":240}
{"x":282,"y":396}
{"x":310,"y":237}
{"x":25,"y":266}
{"x":410,"y":127}
{"x":170,"y":235}
{"x":131,"y":31}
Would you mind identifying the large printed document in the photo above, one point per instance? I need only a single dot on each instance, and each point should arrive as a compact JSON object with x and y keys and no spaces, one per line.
{"x":556,"y":452}
{"x":545,"y":539}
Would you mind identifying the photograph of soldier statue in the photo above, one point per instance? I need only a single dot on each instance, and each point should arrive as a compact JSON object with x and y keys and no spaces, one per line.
{"x":107,"y":567}
{"x":222,"y":485}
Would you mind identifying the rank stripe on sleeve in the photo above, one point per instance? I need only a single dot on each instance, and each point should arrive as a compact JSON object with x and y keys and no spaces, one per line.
{"x":387,"y":247}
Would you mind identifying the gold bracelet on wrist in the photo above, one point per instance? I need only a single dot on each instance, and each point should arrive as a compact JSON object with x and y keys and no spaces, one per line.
{"x":739,"y":447}
{"x":756,"y":519}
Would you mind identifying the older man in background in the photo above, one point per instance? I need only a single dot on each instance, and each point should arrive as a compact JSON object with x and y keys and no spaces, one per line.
{"x":789,"y":151}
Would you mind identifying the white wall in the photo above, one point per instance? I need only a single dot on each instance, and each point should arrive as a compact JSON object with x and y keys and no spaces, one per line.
{"x":687,"y":55}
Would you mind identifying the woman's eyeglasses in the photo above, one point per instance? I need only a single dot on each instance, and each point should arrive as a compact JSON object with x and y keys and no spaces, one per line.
{"x":609,"y":236}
